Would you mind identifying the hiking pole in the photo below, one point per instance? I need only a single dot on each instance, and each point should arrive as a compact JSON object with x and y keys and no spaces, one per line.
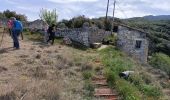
{"x":3,"y":33}
{"x":22,"y":37}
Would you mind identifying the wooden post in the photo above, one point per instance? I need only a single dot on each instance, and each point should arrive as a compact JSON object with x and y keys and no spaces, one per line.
{"x":107,"y":9}
{"x":114,"y":4}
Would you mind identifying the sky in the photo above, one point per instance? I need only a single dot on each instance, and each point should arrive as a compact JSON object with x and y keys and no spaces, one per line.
{"x":67,"y":9}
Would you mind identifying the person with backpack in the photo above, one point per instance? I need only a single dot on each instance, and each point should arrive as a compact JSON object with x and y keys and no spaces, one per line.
{"x":17,"y":29}
{"x":9,"y":24}
{"x":51,"y":31}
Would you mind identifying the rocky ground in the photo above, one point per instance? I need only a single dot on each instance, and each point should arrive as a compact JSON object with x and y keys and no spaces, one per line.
{"x":41,"y":72}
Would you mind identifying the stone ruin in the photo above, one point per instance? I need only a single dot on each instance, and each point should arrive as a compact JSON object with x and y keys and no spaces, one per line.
{"x":131,"y":41}
{"x":84,"y":36}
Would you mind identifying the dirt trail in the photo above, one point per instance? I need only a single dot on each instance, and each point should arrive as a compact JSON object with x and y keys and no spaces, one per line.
{"x":39,"y":71}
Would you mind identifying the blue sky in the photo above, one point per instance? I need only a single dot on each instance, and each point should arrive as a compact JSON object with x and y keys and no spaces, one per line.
{"x":90,"y":8}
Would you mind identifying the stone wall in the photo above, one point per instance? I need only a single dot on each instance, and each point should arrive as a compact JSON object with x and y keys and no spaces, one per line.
{"x":97,"y":35}
{"x":85,"y":36}
{"x":127,"y":38}
{"x":79,"y":35}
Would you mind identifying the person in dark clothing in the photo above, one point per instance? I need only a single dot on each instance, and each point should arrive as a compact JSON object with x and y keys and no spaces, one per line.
{"x":51,"y":32}
{"x":16,"y":31}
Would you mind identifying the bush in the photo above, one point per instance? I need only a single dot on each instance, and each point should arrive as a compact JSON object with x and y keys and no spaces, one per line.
{"x":151,"y":91}
{"x":129,"y":91}
{"x":89,"y":90}
{"x":87,"y":75}
{"x":147,"y":90}
{"x":161,"y":61}
{"x":136,"y":80}
{"x":111,"y":76}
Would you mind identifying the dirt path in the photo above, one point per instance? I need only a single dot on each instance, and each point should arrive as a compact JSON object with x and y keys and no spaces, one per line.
{"x":39,"y":71}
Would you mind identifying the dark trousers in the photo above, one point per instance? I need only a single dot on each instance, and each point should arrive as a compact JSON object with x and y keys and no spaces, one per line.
{"x":15,"y":35}
{"x":10,"y":32}
{"x":51,"y":37}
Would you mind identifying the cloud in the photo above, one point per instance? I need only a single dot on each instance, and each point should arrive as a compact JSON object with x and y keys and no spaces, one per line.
{"x":90,"y":8}
{"x":71,"y":1}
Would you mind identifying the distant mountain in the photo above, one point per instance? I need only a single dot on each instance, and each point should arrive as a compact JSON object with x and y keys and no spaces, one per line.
{"x":152,"y":18}
{"x":160,"y":17}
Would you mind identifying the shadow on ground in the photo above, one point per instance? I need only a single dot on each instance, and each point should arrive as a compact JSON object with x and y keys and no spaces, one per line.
{"x":6,"y":50}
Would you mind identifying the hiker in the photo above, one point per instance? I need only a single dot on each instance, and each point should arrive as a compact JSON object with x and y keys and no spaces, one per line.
{"x":9,"y":24}
{"x":46,"y":32}
{"x":51,"y":31}
{"x":16,"y":31}
{"x":125,"y":74}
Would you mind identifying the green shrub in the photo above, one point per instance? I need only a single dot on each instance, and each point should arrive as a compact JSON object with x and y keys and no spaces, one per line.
{"x":87,"y":75}
{"x":129,"y":91}
{"x":136,"y":80}
{"x":151,"y":91}
{"x":89,"y":90}
{"x":161,"y":61}
{"x":147,"y":90}
{"x":111,"y":76}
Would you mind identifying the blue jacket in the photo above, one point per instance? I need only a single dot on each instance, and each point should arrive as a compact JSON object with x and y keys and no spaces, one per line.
{"x":17,"y":25}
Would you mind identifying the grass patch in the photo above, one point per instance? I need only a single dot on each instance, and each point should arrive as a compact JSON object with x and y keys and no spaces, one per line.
{"x":89,"y":89}
{"x":135,"y":88}
{"x":161,"y":61}
{"x":87,"y":75}
{"x":34,"y":36}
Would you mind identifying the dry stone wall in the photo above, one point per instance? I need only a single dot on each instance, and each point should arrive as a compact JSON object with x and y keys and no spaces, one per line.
{"x":85,"y":36}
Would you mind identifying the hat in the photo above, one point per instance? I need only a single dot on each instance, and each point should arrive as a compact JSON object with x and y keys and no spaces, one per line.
{"x":13,"y":18}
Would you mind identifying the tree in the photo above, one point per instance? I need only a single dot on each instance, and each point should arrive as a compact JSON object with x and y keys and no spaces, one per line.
{"x":50,"y":17}
{"x":61,"y":25}
{"x":8,"y":14}
{"x":79,"y":21}
{"x":1,"y":15}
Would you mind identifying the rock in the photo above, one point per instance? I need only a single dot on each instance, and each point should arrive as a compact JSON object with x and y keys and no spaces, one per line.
{"x":67,"y":41}
{"x":96,"y":45}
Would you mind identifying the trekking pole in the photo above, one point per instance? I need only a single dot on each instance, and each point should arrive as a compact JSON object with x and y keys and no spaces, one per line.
{"x":3,"y":33}
{"x":22,"y":37}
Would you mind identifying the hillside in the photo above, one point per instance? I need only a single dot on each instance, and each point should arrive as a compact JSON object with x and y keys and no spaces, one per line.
{"x":60,"y":72}
{"x":41,"y":72}
{"x":154,"y":18}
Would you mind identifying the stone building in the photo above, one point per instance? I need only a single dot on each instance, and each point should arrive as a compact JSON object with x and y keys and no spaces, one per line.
{"x":130,"y":40}
{"x":133,"y":42}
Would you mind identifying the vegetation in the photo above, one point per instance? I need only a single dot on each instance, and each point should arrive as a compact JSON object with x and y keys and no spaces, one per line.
{"x":50,"y":17}
{"x":136,"y":87}
{"x":161,"y":61}
{"x":8,"y":14}
{"x":159,"y":31}
{"x":34,"y":36}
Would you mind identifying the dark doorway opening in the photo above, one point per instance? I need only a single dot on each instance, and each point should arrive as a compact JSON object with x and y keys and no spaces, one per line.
{"x":115,"y":29}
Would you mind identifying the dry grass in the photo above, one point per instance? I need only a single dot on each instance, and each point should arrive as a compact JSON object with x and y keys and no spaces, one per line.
{"x":37,"y":72}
